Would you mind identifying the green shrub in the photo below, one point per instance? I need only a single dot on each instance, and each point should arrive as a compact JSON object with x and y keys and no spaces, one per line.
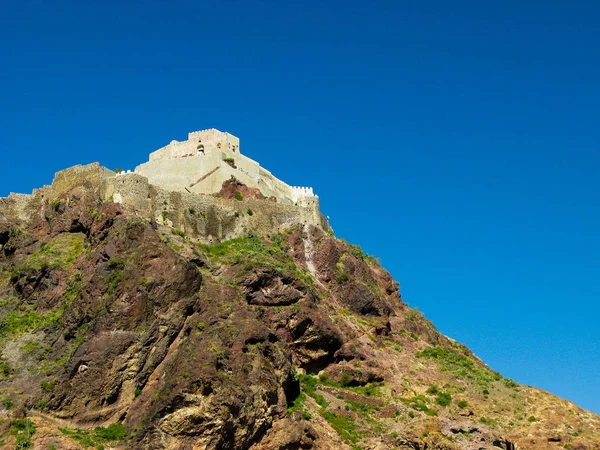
{"x":443,"y":399}
{"x":344,"y":426}
{"x":433,"y":390}
{"x":532,"y":419}
{"x":250,"y":213}
{"x":239,"y":196}
{"x":306,"y":415}
{"x":178,"y":232}
{"x":4,"y":368}
{"x":462,"y":404}
{"x":114,"y":432}
{"x":8,"y":403}
{"x":201,"y":326}
{"x":345,"y":380}
{"x":47,"y":386}
{"x":342,"y":278}
{"x":486,"y":421}
{"x":508,"y":382}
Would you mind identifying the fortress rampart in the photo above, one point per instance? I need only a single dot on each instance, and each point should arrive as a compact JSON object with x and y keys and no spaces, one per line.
{"x":176,"y":191}
{"x":189,"y":166}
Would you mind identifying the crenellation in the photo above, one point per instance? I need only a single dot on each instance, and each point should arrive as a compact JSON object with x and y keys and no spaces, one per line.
{"x":176,"y":190}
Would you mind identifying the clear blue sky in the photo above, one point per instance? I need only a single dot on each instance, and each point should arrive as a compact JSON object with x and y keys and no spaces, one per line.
{"x":457,"y":141}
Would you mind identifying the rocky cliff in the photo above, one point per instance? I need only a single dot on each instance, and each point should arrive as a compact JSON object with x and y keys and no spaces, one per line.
{"x":120,"y":332}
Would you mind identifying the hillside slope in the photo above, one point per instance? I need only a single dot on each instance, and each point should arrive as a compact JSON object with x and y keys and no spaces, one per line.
{"x":117,"y":332}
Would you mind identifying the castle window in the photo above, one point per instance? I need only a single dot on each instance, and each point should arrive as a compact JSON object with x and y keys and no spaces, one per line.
{"x":200,"y":149}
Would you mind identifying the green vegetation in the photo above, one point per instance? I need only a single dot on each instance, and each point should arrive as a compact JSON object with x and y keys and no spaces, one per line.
{"x":532,"y":419}
{"x":414,"y":315}
{"x":8,"y":403}
{"x":47,"y":385}
{"x":342,"y":278}
{"x":419,"y":403}
{"x":97,"y":437}
{"x":344,"y":426}
{"x":460,"y":366}
{"x":116,"y":275}
{"x":239,"y":196}
{"x":509,"y":382}
{"x":229,"y":161}
{"x":433,"y":390}
{"x":249,"y":212}
{"x":60,"y":252}
{"x":357,"y":252}
{"x":5,"y":369}
{"x":178,"y":232}
{"x":23,"y":429}
{"x":201,"y":326}
{"x":462,"y":404}
{"x":252,"y":252}
{"x":486,"y":421}
{"x":443,"y":399}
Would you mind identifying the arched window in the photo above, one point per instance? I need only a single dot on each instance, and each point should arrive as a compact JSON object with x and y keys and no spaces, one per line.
{"x":200,"y":149}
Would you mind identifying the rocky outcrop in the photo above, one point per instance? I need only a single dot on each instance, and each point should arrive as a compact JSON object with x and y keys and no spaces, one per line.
{"x":293,"y":341}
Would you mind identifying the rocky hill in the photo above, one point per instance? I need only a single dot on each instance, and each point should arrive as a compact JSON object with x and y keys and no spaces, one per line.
{"x":117,"y":331}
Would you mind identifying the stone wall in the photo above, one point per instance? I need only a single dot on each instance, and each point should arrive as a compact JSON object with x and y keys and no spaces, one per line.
{"x":206,"y":218}
{"x":203,"y":217}
{"x":181,"y":167}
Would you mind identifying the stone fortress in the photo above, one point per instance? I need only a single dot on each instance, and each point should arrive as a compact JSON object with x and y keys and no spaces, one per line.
{"x":179,"y":187}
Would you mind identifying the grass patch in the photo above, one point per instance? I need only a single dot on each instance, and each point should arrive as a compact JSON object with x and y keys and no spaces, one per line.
{"x":98,"y":436}
{"x":419,"y":403}
{"x":357,"y":252}
{"x":344,"y":426}
{"x":22,"y":429}
{"x":460,"y":366}
{"x":60,"y":252}
{"x":252,"y":252}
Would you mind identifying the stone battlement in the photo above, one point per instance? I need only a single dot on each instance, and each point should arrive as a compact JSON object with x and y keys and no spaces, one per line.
{"x":206,"y":160}
{"x":176,"y":190}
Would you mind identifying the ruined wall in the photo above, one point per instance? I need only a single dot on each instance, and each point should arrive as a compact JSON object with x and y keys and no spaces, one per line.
{"x":207,"y":218}
{"x":180,"y":167}
{"x":204,"y":217}
{"x":209,"y":141}
{"x":22,"y":206}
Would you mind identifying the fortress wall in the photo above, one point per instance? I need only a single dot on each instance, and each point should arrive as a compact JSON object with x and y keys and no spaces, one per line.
{"x":213,"y":220}
{"x":171,"y":168}
{"x":206,"y":218}
{"x":89,"y":175}
{"x":131,"y":190}
{"x":203,"y":217}
{"x":177,"y":174}
{"x":175,"y":149}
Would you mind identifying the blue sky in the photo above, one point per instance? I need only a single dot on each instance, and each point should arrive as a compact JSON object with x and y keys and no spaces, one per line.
{"x":457,"y":141}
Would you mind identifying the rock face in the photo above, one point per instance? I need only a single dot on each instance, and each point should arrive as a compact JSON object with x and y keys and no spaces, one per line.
{"x":119,"y":332}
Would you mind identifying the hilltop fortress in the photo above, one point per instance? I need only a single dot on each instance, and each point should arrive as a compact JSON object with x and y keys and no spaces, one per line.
{"x":181,"y":185}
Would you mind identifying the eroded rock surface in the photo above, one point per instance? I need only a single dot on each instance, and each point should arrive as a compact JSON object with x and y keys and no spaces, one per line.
{"x":297,"y":341}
